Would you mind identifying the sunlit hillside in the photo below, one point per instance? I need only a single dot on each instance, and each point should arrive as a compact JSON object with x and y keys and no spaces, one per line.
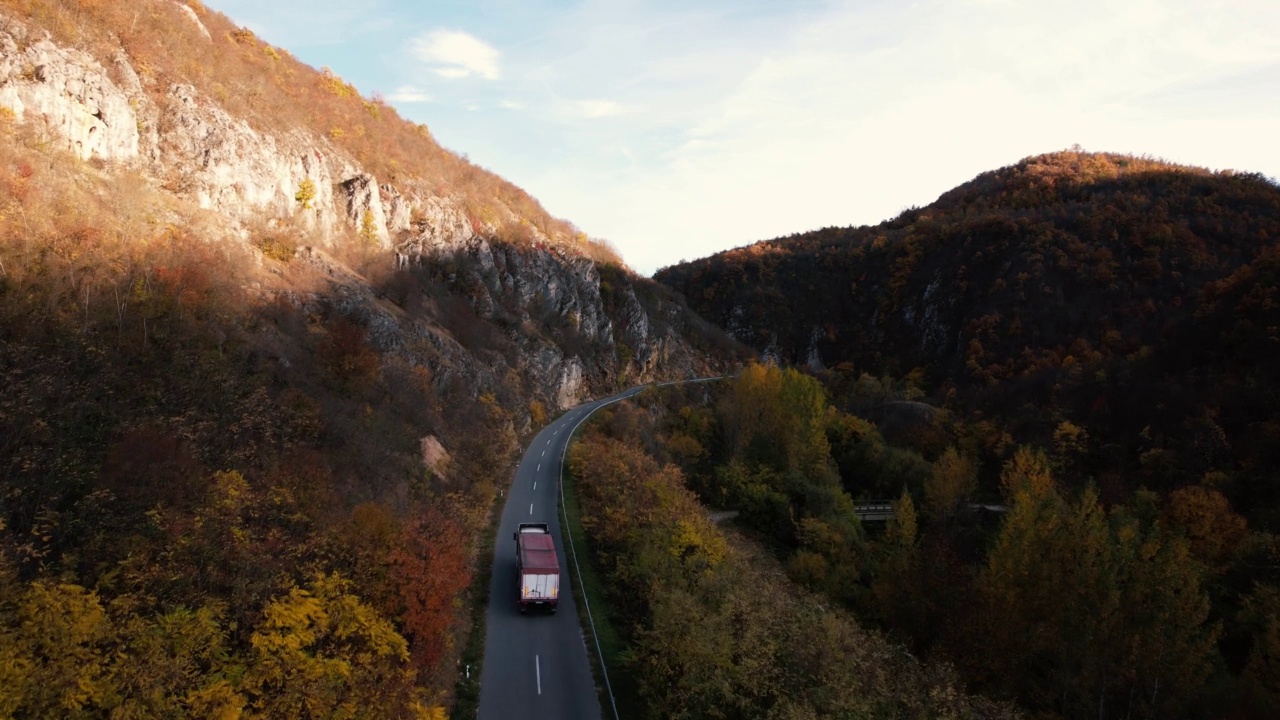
{"x":169,"y":42}
{"x":267,"y":355}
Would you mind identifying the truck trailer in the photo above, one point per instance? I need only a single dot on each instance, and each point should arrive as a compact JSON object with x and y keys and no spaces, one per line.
{"x":537,"y":568}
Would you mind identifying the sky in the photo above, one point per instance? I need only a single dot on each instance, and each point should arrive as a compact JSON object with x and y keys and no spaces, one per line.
{"x":675,"y":130}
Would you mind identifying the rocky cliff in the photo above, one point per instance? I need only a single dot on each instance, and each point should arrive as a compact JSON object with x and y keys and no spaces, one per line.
{"x":534,"y":307}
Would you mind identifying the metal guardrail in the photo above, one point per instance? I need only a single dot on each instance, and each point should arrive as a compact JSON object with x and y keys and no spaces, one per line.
{"x":586,"y":603}
{"x":880,"y":510}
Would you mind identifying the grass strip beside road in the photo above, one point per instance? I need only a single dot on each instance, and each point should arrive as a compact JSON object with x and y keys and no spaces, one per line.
{"x":467,"y":688}
{"x":612,"y":645}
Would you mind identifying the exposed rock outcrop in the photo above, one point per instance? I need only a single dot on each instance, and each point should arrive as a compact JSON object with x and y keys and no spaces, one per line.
{"x":397,"y":211}
{"x":185,"y":139}
{"x":65,"y":94}
{"x":441,"y":226}
{"x":547,"y":327}
{"x":228,"y":166}
{"x":364,"y":207}
{"x":195,"y":19}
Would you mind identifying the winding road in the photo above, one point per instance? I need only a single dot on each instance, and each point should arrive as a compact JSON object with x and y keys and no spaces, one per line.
{"x":536,"y":665}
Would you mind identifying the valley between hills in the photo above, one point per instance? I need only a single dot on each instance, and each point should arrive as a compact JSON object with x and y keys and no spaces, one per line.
{"x":271,"y":355}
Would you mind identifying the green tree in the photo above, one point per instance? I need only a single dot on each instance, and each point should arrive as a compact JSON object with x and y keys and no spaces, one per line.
{"x":894,"y":592}
{"x":900,"y":530}
{"x":1261,"y":615}
{"x":1088,"y":614}
{"x":777,"y":418}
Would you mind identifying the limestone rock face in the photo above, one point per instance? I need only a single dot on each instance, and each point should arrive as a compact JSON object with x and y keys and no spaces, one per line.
{"x":195,"y":19}
{"x":362,"y":197}
{"x":570,"y":386}
{"x":563,"y":341}
{"x":397,"y":210}
{"x":66,"y":94}
{"x":230,"y":167}
{"x":434,"y":457}
{"x":549,"y":330}
{"x":442,"y":226}
{"x":571,"y":347}
{"x":185,"y":140}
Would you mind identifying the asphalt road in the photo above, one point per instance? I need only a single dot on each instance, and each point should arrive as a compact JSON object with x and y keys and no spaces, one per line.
{"x":536,"y":665}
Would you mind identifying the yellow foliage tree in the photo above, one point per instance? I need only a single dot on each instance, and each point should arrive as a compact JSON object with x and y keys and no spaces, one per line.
{"x":321,"y":652}
{"x":1084,"y":611}
{"x":1026,"y":472}
{"x":53,"y":661}
{"x":778,"y":417}
{"x":368,"y":228}
{"x":306,"y":193}
{"x":951,"y":481}
{"x":537,"y":413}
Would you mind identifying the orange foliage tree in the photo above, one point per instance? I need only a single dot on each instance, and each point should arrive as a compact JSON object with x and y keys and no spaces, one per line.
{"x":431,"y":565}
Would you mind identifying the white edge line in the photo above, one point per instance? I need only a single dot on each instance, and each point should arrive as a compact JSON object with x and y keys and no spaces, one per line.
{"x":574,"y":551}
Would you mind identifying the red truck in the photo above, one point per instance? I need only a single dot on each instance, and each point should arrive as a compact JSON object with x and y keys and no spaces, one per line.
{"x":537,"y":568}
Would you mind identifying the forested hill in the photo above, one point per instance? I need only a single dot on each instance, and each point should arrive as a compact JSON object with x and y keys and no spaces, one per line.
{"x":267,"y":355}
{"x":1131,"y":298}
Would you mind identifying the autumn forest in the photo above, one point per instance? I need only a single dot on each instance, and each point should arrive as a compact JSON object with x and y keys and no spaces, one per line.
{"x":1072,"y":362}
{"x":252,"y":467}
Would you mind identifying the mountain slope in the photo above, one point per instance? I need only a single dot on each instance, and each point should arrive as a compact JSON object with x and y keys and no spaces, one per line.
{"x":215,"y":114}
{"x":1131,"y":297}
{"x":267,"y":353}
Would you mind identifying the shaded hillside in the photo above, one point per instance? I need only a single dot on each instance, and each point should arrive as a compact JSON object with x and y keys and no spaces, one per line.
{"x":1154,"y":608}
{"x":1128,"y":296}
{"x":260,"y":404}
{"x":711,"y":625}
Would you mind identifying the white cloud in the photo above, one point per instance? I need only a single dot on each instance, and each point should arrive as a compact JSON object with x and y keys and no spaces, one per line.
{"x":511,"y":105}
{"x":595,"y":108}
{"x":456,"y":54}
{"x":409,"y":94}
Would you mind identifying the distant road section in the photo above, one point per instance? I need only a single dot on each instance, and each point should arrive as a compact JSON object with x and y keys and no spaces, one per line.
{"x":536,"y":665}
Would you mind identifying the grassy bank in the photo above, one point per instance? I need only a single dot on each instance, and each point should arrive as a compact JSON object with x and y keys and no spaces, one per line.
{"x":467,"y":690}
{"x":588,"y":588}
